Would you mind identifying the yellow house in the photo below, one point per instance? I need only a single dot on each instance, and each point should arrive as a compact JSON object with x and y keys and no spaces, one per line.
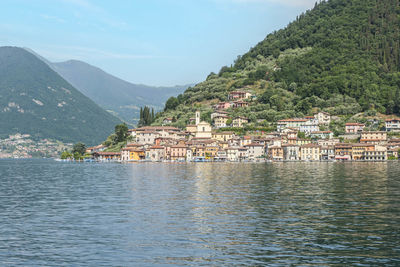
{"x":211,"y":152}
{"x":220,"y":121}
{"x":358,"y":150}
{"x":136,"y":154}
{"x":223,"y":136}
{"x":310,"y":152}
{"x":239,"y":122}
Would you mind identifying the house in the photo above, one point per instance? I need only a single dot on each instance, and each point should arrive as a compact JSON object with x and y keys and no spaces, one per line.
{"x":146,"y":137}
{"x":107,"y":156}
{"x":167,"y":121}
{"x":220,"y":121}
{"x":309,"y":127}
{"x":239,"y":122}
{"x":327,"y":152}
{"x":246,"y":140}
{"x":291,"y":152}
{"x":221,"y":155}
{"x":93,"y":149}
{"x":328,"y":142}
{"x":179,"y":152}
{"x":343,"y":151}
{"x":310,"y":152}
{"x":191,"y":128}
{"x":351,"y":128}
{"x":392,"y":125}
{"x":373,"y":137}
{"x":358,"y":150}
{"x":290,"y":123}
{"x":239,"y":95}
{"x":218,"y":113}
{"x":378,"y":154}
{"x":323,"y":118}
{"x":240,"y":104}
{"x":222,"y":105}
{"x":275,"y":153}
{"x":302,"y":142}
{"x":155,"y":153}
{"x":132,"y":132}
{"x":243,"y":153}
{"x":211,"y":152}
{"x":232,"y":153}
{"x":223,"y":136}
{"x":322,"y":135}
{"x":255,"y":151}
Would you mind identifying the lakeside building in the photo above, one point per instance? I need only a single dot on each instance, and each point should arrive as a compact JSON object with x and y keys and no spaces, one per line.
{"x":201,"y":142}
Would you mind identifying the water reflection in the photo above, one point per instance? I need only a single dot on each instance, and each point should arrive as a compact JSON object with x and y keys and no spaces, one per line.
{"x":199,"y":214}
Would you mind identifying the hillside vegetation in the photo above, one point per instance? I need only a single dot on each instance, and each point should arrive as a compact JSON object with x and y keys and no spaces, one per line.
{"x":35,"y":100}
{"x":341,"y":57}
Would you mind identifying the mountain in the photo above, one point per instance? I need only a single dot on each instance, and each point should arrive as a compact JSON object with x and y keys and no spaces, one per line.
{"x":343,"y":56}
{"x":35,"y":100}
{"x":122,"y":98}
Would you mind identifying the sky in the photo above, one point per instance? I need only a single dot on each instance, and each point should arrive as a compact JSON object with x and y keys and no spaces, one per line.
{"x":153,"y":42}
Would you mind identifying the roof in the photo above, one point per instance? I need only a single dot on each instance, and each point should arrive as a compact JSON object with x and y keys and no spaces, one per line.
{"x":222,"y":116}
{"x":179,"y":146}
{"x":310,"y":145}
{"x":390,"y":120}
{"x":293,"y":120}
{"x":157,"y":147}
{"x":373,"y":132}
{"x":157,"y":128}
{"x":108,"y":153}
{"x":322,"y":132}
{"x":354,"y":124}
{"x":254,"y":144}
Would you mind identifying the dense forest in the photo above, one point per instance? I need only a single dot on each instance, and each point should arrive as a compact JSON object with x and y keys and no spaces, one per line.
{"x":342,"y":57}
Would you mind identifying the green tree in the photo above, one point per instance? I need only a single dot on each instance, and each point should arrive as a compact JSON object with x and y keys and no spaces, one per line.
{"x":171,"y":103}
{"x":121,"y":132}
{"x":66,"y":155}
{"x":79,"y":148}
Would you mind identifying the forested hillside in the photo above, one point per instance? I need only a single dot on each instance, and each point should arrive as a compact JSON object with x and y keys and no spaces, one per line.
{"x":342,"y":57}
{"x":35,"y":100}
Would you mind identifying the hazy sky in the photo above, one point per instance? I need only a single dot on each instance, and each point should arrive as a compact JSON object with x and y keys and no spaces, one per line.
{"x":155,"y":42}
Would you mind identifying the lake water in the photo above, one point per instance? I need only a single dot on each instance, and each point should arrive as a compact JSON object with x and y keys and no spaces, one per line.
{"x":280,"y":214}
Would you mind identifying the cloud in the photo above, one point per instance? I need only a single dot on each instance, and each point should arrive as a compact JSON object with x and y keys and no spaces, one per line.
{"x":101,"y":15}
{"x":53,"y":18}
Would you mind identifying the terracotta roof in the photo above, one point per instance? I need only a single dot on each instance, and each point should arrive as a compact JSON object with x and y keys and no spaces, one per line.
{"x":254,"y":144}
{"x":354,"y":124}
{"x":109,"y":153}
{"x":311,"y":145}
{"x":157,"y":147}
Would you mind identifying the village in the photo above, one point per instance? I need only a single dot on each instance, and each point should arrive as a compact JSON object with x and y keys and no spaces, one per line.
{"x":295,"y":139}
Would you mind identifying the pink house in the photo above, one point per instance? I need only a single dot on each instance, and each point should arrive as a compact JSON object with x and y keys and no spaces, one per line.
{"x":354,"y":127}
{"x":222,"y":105}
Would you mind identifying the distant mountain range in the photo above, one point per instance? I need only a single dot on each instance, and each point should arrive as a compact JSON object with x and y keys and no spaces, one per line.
{"x":36,"y":100}
{"x":117,"y":96}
